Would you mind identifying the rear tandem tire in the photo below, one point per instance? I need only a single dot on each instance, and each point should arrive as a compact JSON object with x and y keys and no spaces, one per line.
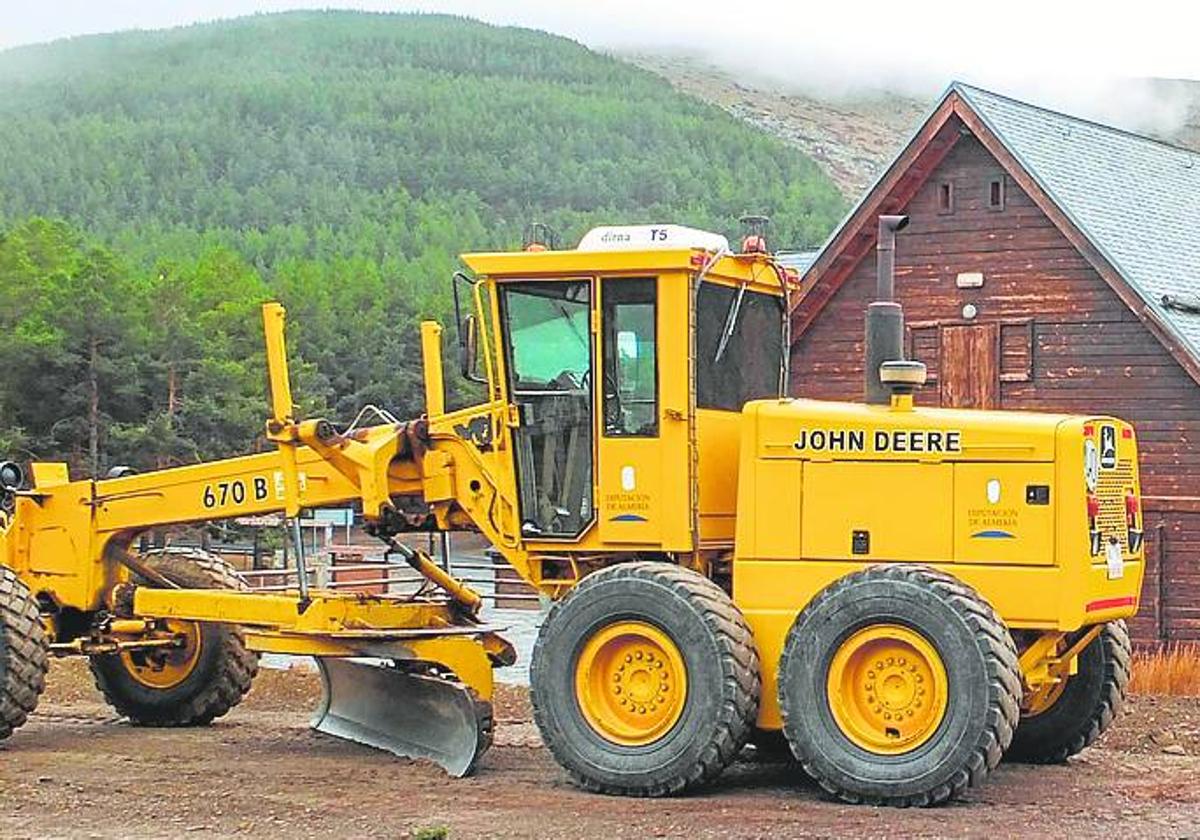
{"x":1090,"y":701}
{"x":898,"y":685}
{"x":23,"y":652}
{"x":199,"y":684}
{"x":670,"y":642}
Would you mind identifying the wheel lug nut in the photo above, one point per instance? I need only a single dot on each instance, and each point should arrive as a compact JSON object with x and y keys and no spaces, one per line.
{"x":920,"y":678}
{"x":870,"y":699}
{"x":663,"y":687}
{"x":639,"y":654}
{"x":870,"y":675}
{"x":887,"y":715}
{"x":616,"y":689}
{"x":628,"y":658}
{"x":641,"y":710}
{"x":910,"y":713}
{"x":901,"y":661}
{"x":891,"y":660}
{"x":622,"y":701}
{"x":879,"y":666}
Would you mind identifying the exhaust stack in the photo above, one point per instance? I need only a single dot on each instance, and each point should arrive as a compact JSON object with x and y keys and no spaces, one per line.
{"x":884,"y":339}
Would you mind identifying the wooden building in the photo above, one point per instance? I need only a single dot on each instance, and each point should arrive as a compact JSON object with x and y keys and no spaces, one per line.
{"x":1051,"y":264}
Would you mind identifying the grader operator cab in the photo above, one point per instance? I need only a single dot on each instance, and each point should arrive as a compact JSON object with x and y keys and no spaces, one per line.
{"x":898,"y":594}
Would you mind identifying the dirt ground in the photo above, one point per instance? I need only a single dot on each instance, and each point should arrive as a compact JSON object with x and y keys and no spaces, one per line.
{"x":75,"y":770}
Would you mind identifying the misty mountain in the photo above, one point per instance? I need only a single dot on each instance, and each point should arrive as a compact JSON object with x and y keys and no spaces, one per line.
{"x":306,"y":118}
{"x":854,"y":137}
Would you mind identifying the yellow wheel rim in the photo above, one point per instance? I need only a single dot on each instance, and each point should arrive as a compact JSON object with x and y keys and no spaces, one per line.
{"x":631,"y":683}
{"x":1037,"y":702}
{"x":887,"y":689}
{"x":164,"y":668}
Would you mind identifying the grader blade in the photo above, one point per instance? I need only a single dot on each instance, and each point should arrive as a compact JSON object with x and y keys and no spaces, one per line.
{"x":409,"y":715}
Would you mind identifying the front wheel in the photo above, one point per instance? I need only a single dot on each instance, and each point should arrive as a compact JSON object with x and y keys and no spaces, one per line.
{"x":1079,"y":709}
{"x":645,"y":680}
{"x":898,"y":685}
{"x":190,"y":685}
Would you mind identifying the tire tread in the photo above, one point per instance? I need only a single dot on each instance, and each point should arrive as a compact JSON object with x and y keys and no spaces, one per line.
{"x":237,"y":666}
{"x":742,"y":677}
{"x":1118,"y":656}
{"x":24,"y":653}
{"x":995,"y":644}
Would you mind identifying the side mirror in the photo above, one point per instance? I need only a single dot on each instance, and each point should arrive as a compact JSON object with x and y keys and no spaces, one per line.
{"x":468,"y":329}
{"x":468,"y":347}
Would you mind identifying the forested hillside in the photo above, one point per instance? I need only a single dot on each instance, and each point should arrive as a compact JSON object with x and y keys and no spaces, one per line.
{"x":336,"y":161}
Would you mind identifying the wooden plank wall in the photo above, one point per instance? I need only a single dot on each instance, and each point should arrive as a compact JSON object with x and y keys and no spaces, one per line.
{"x":1067,"y":344}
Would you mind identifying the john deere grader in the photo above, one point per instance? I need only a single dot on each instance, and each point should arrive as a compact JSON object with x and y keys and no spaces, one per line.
{"x":900,"y":595}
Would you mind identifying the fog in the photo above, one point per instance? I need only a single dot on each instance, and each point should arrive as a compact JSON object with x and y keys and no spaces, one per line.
{"x":1091,"y":59}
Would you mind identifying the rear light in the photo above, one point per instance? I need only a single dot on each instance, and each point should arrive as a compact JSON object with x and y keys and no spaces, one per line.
{"x":754,"y":244}
{"x":1131,"y":509}
{"x":1093,"y":509}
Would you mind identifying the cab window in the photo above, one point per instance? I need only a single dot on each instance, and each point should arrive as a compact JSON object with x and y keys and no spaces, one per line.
{"x":739,"y":345}
{"x":630,"y":389}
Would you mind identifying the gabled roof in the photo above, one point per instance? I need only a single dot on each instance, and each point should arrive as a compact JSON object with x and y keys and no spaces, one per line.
{"x":1129,"y":203}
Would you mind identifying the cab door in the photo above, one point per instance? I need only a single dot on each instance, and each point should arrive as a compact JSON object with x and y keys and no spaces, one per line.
{"x":643,"y":473}
{"x":547,"y":333}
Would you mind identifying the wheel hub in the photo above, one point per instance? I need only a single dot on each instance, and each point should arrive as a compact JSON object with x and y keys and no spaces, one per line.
{"x":631,"y":683}
{"x":887,"y":689}
{"x":164,"y":668}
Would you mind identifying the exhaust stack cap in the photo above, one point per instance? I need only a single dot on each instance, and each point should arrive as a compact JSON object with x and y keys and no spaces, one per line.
{"x":902,"y":376}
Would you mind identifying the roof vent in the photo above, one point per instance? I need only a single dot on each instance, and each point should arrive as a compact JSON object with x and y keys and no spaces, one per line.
{"x":1182,"y":303}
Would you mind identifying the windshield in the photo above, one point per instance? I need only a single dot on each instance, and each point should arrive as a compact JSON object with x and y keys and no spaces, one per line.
{"x":548,"y":330}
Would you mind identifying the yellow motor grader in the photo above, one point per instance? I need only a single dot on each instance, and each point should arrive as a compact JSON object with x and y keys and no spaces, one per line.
{"x":898,"y":594}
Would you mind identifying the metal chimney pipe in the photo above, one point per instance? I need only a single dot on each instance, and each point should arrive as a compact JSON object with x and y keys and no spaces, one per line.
{"x":884,"y":339}
{"x":885,"y":256}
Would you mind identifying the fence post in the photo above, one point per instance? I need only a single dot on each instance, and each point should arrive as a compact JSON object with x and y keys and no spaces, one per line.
{"x":1160,"y":605}
{"x":445,"y":548}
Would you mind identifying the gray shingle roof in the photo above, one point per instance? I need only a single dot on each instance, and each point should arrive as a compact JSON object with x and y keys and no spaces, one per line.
{"x":799,"y":260}
{"x":1137,"y":200}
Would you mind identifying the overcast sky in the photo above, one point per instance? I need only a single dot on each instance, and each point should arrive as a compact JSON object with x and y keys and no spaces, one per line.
{"x":1075,"y":55}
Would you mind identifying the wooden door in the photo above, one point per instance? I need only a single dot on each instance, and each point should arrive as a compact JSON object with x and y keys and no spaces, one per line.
{"x":969,"y":367}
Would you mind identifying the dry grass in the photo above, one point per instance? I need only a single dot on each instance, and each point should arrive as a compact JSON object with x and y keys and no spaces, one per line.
{"x":1174,"y":670}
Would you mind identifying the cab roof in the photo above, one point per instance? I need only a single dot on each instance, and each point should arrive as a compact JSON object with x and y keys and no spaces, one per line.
{"x":759,"y":270}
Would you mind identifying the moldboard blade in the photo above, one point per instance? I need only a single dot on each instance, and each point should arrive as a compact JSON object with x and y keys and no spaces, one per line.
{"x":410,"y":715}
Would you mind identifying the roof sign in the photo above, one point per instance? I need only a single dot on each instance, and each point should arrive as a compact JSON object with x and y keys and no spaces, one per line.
{"x":643,"y":237}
